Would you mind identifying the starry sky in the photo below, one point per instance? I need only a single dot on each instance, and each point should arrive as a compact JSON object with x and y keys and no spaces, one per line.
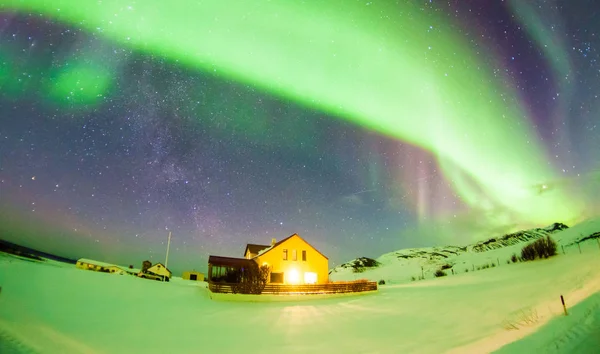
{"x":365,"y":127}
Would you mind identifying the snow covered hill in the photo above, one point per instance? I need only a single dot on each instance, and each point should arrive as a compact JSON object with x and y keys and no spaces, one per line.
{"x":414,"y":263}
{"x":517,"y":238}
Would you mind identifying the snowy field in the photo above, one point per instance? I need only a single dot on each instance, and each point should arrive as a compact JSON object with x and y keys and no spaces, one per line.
{"x":55,"y":308}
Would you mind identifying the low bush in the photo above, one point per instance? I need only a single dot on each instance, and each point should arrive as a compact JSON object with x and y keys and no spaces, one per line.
{"x":382,"y":282}
{"x":514,"y":258}
{"x":540,"y":248}
{"x":439,"y":273}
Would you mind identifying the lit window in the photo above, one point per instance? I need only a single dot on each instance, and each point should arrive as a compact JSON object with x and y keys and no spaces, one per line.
{"x":294,"y":256}
{"x":285,"y":255}
{"x":310,"y":278}
{"x":304,"y":255}
{"x":293,"y":276}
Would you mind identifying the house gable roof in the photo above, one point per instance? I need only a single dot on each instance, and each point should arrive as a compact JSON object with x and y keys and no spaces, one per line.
{"x":254,"y":249}
{"x":155,"y":264}
{"x":287,"y":238}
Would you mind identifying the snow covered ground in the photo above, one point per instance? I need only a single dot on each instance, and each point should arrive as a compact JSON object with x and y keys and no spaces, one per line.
{"x":56,"y":308}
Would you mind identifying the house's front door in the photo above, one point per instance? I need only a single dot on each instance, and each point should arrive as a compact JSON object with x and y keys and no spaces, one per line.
{"x":193,"y":277}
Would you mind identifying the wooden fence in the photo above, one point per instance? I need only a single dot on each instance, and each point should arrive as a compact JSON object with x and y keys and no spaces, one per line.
{"x":305,"y":289}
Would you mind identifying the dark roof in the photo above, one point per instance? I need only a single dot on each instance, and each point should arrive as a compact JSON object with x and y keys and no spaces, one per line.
{"x":287,"y":238}
{"x":254,"y":249}
{"x":228,"y":261}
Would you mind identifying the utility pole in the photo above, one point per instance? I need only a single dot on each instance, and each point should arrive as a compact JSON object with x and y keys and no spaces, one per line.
{"x":167,"y":258}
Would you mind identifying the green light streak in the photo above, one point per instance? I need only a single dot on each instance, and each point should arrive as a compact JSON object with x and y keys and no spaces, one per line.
{"x":378,"y":66}
{"x":80,"y":84}
{"x":548,"y":37}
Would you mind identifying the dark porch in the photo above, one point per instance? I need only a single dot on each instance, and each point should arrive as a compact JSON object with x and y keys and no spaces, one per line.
{"x":227,"y":269}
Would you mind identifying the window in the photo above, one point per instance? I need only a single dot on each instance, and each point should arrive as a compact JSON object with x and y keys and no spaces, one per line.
{"x":276,"y":278}
{"x":304,"y":255}
{"x":294,"y":255}
{"x":310,"y":278}
{"x":285,"y":255}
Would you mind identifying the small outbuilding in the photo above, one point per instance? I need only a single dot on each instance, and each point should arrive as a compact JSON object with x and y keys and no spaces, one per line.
{"x":160,"y":270}
{"x":193,"y":275}
{"x":89,"y":264}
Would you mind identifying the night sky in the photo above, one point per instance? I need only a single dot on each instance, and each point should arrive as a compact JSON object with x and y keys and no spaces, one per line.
{"x":110,"y":138}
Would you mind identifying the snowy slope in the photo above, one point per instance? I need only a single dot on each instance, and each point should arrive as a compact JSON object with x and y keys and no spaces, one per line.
{"x":61,"y":309}
{"x":405,"y":265}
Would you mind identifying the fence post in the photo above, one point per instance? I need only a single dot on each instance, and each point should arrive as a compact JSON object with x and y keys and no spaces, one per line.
{"x":473,"y":267}
{"x":498,"y":259}
{"x":562,"y":299}
{"x":422,"y":274}
{"x":598,"y":240}
{"x":563,"y":248}
{"x":579,"y":245}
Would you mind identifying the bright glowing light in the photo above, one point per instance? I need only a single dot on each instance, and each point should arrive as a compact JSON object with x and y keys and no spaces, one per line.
{"x":310,"y":278}
{"x":355,"y":64}
{"x":293,"y":276}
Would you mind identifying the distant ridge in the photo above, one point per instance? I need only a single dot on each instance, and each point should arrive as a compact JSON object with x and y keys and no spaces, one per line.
{"x":18,"y":250}
{"x":517,"y":237}
{"x":439,"y":254}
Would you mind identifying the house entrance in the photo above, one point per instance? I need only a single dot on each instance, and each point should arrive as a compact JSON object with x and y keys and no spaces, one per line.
{"x":193,"y":277}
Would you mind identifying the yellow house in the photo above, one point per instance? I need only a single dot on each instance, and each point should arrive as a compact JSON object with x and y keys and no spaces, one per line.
{"x":193,"y":275}
{"x":159,"y":269}
{"x":293,"y":261}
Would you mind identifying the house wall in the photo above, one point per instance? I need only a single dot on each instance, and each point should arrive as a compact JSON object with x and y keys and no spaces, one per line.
{"x":97,"y":268}
{"x":160,"y":270}
{"x":115,"y":269}
{"x":315,"y":262}
{"x":199,"y":276}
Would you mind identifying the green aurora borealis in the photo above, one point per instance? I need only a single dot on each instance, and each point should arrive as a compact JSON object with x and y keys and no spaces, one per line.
{"x":428,"y":89}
